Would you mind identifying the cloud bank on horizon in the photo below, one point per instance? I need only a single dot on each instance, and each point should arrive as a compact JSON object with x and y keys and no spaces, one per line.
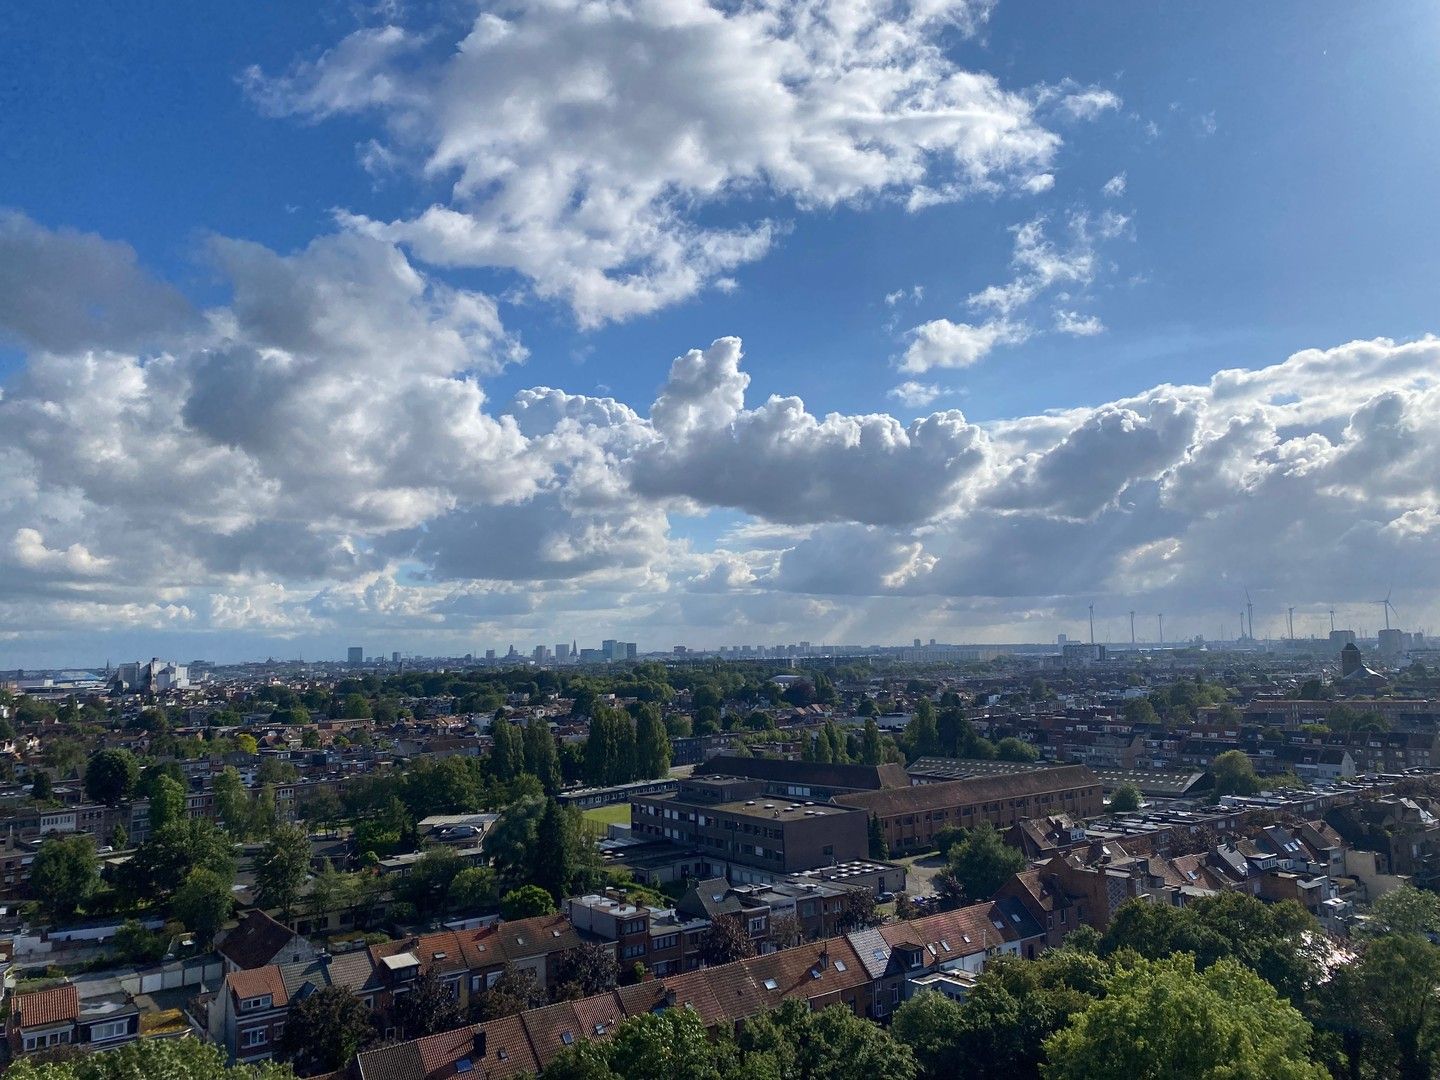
{"x":317,"y":453}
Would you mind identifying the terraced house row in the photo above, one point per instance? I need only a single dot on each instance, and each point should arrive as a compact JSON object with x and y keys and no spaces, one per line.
{"x":868,"y":971}
{"x":247,"y":1016}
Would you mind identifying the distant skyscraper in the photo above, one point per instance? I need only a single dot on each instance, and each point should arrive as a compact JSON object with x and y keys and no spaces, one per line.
{"x":490,"y":655}
{"x":562,"y":651}
{"x":539,"y":654}
{"x":1391,"y":643}
{"x":395,"y":657}
{"x":630,"y":650}
{"x":356,"y":654}
{"x":608,"y":647}
{"x":917,"y":643}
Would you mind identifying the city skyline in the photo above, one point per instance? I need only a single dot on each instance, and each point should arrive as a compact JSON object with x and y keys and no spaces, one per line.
{"x":446,"y":325}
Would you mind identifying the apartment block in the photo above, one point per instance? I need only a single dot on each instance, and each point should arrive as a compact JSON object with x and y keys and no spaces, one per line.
{"x":733,"y":820}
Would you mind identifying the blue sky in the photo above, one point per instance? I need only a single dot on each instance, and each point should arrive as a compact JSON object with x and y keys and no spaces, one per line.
{"x":1276,"y":167}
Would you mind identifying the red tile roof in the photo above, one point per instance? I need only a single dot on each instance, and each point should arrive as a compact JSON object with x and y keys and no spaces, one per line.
{"x":56,"y":1005}
{"x":822,"y":973}
{"x":258,"y":982}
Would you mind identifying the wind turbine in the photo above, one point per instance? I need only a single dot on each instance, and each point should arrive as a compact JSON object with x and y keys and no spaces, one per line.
{"x":1387,"y":606}
{"x":1250,"y":612}
{"x":1092,"y":624}
{"x":1132,"y":629}
{"x":1290,"y":622}
{"x":1161,"y":619}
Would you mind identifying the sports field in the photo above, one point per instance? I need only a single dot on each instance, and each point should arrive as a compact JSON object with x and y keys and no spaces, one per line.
{"x":615,"y":814}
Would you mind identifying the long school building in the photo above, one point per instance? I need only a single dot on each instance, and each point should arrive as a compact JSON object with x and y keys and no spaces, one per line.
{"x":910,"y":817}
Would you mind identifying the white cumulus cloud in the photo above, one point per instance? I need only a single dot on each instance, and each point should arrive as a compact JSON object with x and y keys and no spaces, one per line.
{"x":575,"y":139}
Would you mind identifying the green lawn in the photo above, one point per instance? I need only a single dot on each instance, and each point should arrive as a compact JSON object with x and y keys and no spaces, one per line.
{"x":616,"y":814}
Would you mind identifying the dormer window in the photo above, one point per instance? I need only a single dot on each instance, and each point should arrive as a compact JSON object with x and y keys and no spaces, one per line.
{"x":253,"y":1004}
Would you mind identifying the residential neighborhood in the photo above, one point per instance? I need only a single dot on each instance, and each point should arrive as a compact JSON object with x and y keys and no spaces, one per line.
{"x":491,"y":863}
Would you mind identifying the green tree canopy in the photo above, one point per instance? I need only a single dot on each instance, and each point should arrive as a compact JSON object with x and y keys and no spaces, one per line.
{"x":232,"y":802}
{"x":161,"y":864}
{"x":1163,"y":1019}
{"x":203,"y":903}
{"x":427,"y":886}
{"x":727,"y":940}
{"x":472,"y":890}
{"x":1394,"y":998}
{"x":511,"y":840}
{"x":982,"y":862}
{"x":428,"y":1008}
{"x":64,"y":874}
{"x":1001,"y":1028}
{"x":110,"y":776}
{"x":326,"y":1029}
{"x":1126,"y":799}
{"x":669,"y":1045}
{"x":1406,"y":910}
{"x":167,"y":802}
{"x":172,"y":1059}
{"x":281,"y":868}
{"x":1013,"y":749}
{"x":514,"y":991}
{"x":1234,"y":774}
{"x":526,"y":902}
{"x":831,"y":1044}
{"x":1273,"y":940}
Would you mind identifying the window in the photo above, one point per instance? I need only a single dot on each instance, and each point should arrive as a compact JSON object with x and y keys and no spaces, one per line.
{"x":113,"y":1030}
{"x":54,"y":1038}
{"x":258,"y":1036}
{"x":255,"y":1003}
